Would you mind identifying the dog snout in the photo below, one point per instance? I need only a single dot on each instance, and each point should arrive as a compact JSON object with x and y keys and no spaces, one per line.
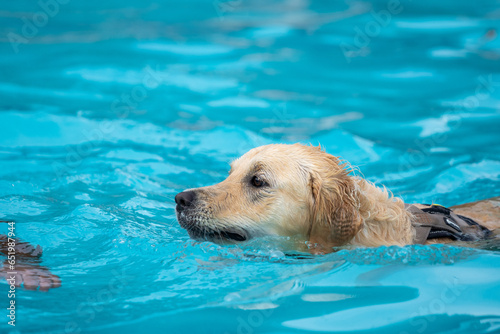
{"x":184,"y":199}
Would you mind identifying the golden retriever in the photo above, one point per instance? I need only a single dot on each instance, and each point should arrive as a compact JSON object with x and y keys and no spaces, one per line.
{"x":298,"y":190}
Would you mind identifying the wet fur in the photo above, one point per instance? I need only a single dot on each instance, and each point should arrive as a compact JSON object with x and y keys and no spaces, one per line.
{"x":310,"y":194}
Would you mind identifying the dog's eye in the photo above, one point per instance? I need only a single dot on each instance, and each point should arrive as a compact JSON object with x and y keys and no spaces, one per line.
{"x":257,"y":182}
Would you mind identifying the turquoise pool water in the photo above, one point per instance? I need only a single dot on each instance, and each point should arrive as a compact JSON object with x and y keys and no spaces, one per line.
{"x":110,"y":108}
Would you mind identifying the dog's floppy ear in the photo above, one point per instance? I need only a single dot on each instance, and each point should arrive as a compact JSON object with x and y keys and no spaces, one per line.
{"x":334,"y":206}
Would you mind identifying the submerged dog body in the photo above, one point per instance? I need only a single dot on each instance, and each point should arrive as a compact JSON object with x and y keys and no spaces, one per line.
{"x":298,"y":190}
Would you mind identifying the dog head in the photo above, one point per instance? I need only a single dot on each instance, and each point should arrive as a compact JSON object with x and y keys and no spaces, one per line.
{"x":285,"y":190}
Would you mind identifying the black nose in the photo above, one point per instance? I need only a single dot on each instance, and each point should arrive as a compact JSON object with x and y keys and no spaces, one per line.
{"x":184,"y":198}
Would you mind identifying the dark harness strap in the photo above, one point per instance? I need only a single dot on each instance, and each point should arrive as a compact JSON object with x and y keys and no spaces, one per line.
{"x":436,"y":221}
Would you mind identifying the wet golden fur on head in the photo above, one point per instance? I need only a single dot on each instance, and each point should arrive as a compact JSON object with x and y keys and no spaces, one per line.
{"x":296,"y":190}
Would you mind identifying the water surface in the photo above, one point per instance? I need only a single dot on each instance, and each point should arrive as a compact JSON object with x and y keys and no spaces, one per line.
{"x":111,"y":108}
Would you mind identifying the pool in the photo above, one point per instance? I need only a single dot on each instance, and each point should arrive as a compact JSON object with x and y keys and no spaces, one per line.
{"x":110,"y":108}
